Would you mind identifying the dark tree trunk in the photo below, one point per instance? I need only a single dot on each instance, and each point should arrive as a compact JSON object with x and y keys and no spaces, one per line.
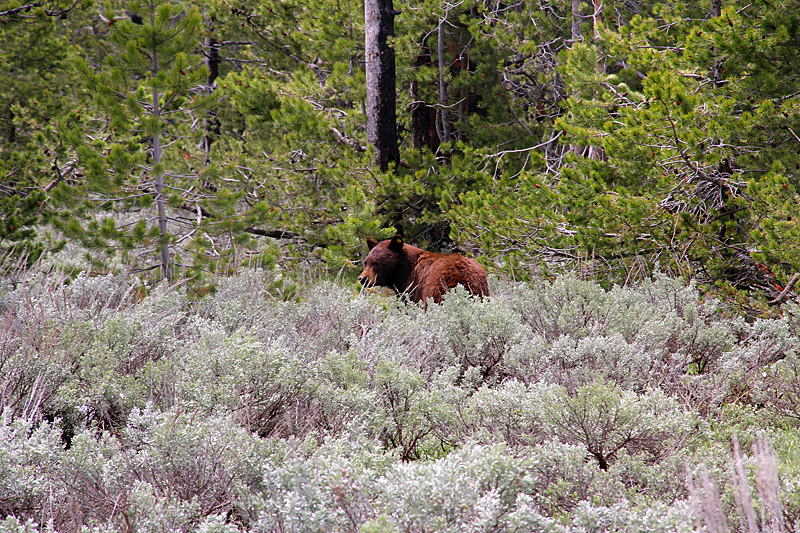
{"x":577,"y":18}
{"x":423,"y":116}
{"x":381,"y":96}
{"x":212,"y":126}
{"x":423,"y":122}
{"x":444,"y":116}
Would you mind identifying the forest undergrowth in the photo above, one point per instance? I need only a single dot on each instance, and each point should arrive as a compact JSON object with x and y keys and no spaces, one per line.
{"x":271,"y":405}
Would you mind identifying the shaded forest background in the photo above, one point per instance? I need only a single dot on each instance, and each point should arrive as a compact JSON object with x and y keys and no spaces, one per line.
{"x":613,"y":138}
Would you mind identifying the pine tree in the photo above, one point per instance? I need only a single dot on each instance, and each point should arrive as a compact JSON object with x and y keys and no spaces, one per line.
{"x":143,"y":152}
{"x":38,"y":91}
{"x":695,"y":130}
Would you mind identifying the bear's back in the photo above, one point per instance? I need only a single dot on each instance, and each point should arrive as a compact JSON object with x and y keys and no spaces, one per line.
{"x":418,"y":274}
{"x":437,"y":273}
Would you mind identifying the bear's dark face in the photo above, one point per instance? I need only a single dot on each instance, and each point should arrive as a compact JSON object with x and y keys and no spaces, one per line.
{"x":384,"y":264}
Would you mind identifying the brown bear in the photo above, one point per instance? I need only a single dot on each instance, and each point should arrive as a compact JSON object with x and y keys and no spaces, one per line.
{"x":418,"y":274}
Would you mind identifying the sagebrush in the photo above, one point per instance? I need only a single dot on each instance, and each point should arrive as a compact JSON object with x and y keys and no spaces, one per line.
{"x":550,"y":406}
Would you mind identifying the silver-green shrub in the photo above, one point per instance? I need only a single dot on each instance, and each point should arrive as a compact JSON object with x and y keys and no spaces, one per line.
{"x":268,"y":406}
{"x":322,"y":485}
{"x":660,"y":518}
{"x":473,"y":488}
{"x":167,"y":471}
{"x":30,"y":454}
{"x":124,"y":359}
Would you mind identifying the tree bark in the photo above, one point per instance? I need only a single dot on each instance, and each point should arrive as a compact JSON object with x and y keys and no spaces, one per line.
{"x":381,"y":80}
{"x":444,"y":131}
{"x":423,"y":116}
{"x":212,"y":125}
{"x":166,"y":267}
{"x":577,"y":18}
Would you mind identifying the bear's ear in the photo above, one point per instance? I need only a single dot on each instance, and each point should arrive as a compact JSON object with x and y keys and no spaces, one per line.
{"x":370,"y":243}
{"x":396,"y":243}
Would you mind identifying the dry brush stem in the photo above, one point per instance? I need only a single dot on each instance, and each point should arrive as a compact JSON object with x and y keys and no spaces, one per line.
{"x":763,"y":515}
{"x":786,"y":290}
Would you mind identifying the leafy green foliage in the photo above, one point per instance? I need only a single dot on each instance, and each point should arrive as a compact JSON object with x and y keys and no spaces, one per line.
{"x":675,"y":146}
{"x":610,"y":146}
{"x":36,"y":73}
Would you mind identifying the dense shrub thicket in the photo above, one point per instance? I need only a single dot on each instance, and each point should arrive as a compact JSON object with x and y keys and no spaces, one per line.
{"x":551,"y":406}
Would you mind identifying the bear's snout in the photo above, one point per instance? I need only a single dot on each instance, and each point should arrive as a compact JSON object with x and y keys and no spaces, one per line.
{"x":367,"y":279}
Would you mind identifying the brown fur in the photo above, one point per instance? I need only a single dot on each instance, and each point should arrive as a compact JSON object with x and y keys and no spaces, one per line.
{"x":419,"y":274}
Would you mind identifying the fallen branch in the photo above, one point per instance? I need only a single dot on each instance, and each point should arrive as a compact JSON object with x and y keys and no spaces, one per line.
{"x":275,"y":233}
{"x":352,"y":143}
{"x":785,"y":292}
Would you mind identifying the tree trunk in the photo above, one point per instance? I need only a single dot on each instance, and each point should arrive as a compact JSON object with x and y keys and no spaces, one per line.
{"x":423,"y":116}
{"x":597,"y":17}
{"x":381,"y":96}
{"x":212,"y":125}
{"x":423,"y":122}
{"x":595,"y":152}
{"x":577,"y":18}
{"x":577,"y":36}
{"x":444,"y":116}
{"x":166,"y":268}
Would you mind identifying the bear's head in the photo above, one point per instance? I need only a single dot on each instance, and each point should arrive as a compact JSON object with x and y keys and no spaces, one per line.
{"x":385,"y":264}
